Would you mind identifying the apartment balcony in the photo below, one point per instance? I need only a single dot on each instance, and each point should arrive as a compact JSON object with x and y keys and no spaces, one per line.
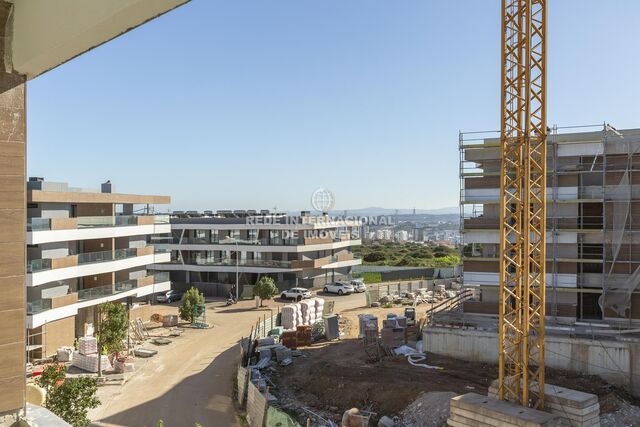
{"x":586,"y":224}
{"x":46,"y":310}
{"x":298,"y":244}
{"x":47,"y":230}
{"x":41,"y":271}
{"x":324,"y":261}
{"x":570,"y":194}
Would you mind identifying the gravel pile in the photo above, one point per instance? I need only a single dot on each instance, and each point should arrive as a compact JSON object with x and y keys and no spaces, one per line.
{"x":428,"y":410}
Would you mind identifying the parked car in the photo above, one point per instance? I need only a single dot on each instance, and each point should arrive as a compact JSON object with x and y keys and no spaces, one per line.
{"x":297,"y":294}
{"x":340,"y":288}
{"x":358,"y":285}
{"x":169,"y":296}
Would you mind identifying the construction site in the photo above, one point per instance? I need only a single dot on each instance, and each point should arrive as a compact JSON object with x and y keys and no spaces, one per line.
{"x":540,"y":327}
{"x":542,"y":331}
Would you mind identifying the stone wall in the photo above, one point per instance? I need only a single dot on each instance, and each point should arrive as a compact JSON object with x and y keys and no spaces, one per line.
{"x":617,"y":362}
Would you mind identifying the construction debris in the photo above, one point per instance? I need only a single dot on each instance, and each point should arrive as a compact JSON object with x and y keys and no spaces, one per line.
{"x":428,"y":410}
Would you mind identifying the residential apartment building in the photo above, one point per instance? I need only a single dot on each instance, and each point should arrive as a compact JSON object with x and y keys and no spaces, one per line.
{"x":86,"y":247}
{"x":593,"y":222}
{"x":213,"y":251}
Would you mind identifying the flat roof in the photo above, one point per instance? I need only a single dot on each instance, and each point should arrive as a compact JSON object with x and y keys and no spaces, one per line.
{"x":36,"y":196}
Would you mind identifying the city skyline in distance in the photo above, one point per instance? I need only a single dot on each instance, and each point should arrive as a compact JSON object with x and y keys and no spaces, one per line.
{"x":365,"y":98}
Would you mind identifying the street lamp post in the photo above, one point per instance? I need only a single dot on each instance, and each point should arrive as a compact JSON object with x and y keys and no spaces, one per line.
{"x":237,"y":263}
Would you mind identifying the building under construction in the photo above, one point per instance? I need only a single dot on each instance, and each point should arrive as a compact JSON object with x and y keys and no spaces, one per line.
{"x":593,"y":222}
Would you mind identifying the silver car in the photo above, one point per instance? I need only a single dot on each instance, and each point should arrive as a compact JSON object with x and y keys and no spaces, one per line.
{"x":358,"y":285}
{"x":340,"y":288}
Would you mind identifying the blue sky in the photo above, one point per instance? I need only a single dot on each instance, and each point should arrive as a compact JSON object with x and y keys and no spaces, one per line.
{"x":254,"y":104}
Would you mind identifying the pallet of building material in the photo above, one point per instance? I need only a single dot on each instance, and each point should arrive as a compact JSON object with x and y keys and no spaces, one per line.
{"x":89,"y":362}
{"x":575,"y":408}
{"x":270,"y":340}
{"x":411,"y":333}
{"x":390,"y":323}
{"x":289,"y":339}
{"x":289,"y":316}
{"x":64,"y":354}
{"x":87,"y":345}
{"x":393,"y":337}
{"x":370,"y":336}
{"x":169,"y":320}
{"x":475,"y":410}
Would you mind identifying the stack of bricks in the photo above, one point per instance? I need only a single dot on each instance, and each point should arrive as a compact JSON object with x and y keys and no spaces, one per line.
{"x":475,"y":410}
{"x":289,"y":339}
{"x":574,"y":408}
{"x":393,"y":337}
{"x":303,"y":336}
{"x":394,"y":332}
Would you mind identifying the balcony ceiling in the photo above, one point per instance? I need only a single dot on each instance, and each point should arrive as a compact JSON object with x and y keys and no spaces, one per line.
{"x":48,"y":33}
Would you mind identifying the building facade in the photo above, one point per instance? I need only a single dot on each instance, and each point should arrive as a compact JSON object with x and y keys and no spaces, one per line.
{"x":86,"y":247}
{"x":593,"y":222}
{"x":213,"y":251}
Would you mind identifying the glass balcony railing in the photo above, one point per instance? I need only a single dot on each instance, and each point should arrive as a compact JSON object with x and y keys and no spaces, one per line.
{"x":43,"y":224}
{"x":229,"y":262}
{"x":38,"y":306}
{"x":93,"y":257}
{"x":36,"y":265}
{"x":38,"y":224}
{"x":273,"y":241}
{"x":161,"y":277}
{"x":105,"y":291}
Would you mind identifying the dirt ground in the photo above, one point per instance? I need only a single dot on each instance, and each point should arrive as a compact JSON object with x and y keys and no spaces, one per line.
{"x":330,"y":378}
{"x":190,"y":380}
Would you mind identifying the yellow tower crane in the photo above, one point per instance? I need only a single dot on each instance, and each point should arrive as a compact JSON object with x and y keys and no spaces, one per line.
{"x":522,"y":202}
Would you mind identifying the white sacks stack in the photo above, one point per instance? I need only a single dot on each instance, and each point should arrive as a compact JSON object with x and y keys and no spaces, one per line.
{"x":319,"y":308}
{"x":305,"y":313}
{"x":307,"y":309}
{"x":86,"y":358}
{"x":87,"y":345}
{"x":289,"y":316}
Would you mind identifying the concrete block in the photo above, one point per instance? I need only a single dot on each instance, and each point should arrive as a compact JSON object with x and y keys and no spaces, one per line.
{"x":499,"y":413}
{"x":575,"y":408}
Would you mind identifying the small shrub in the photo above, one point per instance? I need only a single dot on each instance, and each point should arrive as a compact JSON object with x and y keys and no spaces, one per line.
{"x":265,"y":289}
{"x":190,"y":299}
{"x":70,"y":399}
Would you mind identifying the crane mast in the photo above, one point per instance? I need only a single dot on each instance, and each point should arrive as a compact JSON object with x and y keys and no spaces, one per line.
{"x":523,"y":202}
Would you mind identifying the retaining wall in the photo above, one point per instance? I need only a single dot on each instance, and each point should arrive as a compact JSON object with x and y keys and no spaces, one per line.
{"x":617,"y":362}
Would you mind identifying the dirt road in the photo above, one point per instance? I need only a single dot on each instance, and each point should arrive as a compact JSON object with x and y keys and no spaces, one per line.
{"x":191,"y":380}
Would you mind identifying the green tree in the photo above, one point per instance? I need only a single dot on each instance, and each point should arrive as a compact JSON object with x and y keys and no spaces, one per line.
{"x":70,"y":399}
{"x":114,"y":324}
{"x":265,"y":288}
{"x":190,"y":299}
{"x":374,"y":257}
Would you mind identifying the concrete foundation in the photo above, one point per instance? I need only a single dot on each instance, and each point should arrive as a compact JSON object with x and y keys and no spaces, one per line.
{"x":617,"y":362}
{"x":475,"y":410}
